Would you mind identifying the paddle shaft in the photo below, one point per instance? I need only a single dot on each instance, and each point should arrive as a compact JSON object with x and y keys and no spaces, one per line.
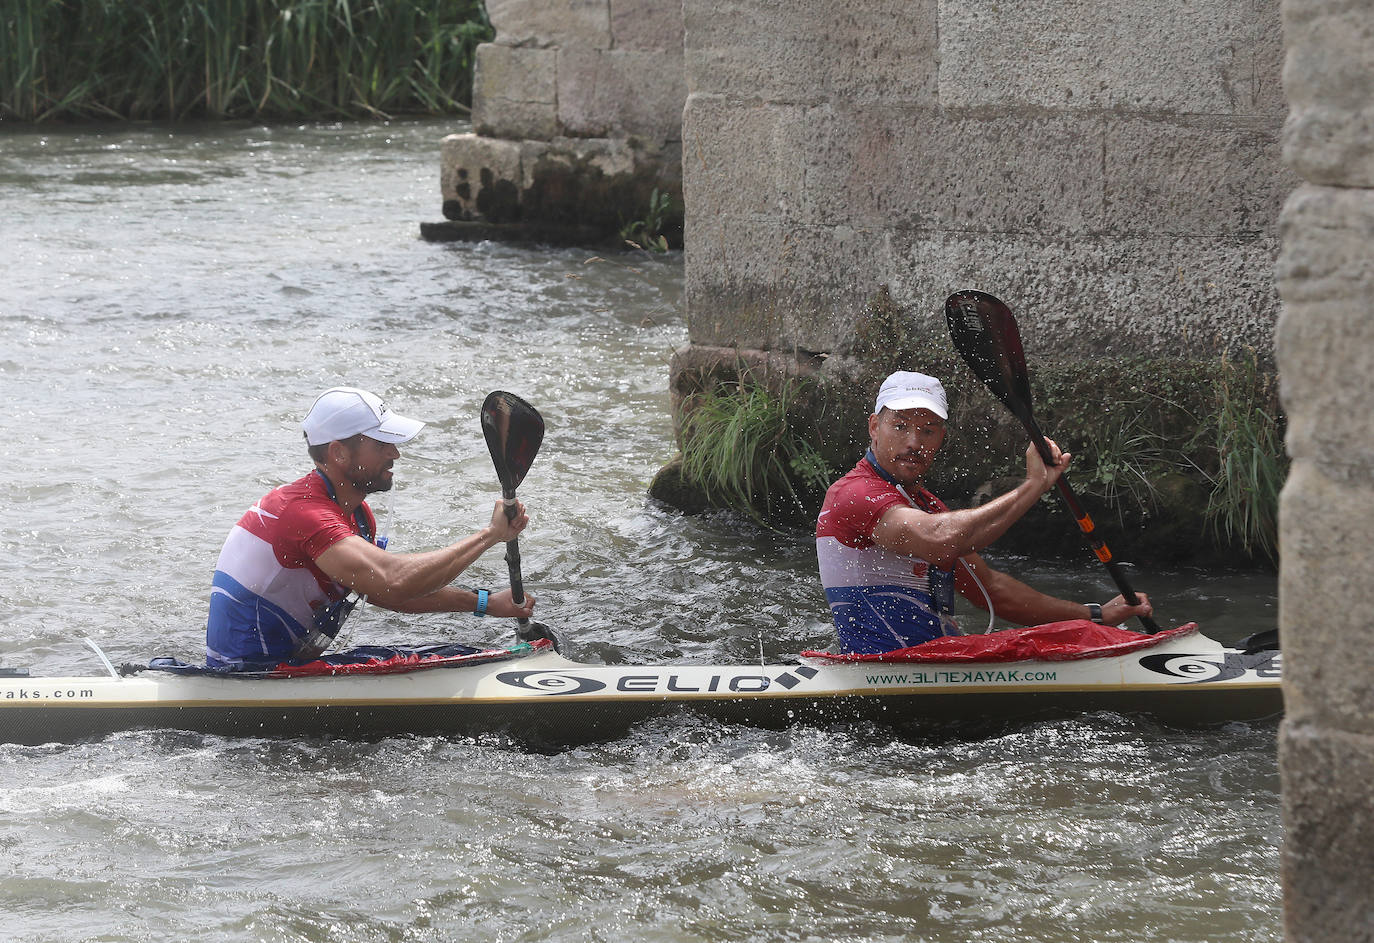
{"x":517,"y":584}
{"x":1086,"y":525}
{"x":985,"y":334}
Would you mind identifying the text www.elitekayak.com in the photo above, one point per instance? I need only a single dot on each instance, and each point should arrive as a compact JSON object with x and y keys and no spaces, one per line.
{"x":963,"y":677}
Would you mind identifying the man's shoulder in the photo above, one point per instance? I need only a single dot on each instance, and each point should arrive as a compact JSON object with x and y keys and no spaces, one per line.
{"x":305,"y":497}
{"x":307,"y":489}
{"x":859,"y":480}
{"x":855,"y":502}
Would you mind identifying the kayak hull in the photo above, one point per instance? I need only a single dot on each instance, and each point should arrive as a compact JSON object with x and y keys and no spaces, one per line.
{"x":545,"y":699}
{"x":552,"y":725}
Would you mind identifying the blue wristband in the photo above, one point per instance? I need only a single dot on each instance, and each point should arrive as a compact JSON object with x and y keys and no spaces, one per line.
{"x":481,"y":609}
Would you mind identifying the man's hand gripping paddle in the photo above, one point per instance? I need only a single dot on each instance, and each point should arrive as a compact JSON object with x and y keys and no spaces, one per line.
{"x":985,"y":334}
{"x":514,"y":430}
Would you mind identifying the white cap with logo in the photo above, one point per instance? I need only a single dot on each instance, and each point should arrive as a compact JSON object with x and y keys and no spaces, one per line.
{"x":907,"y":390}
{"x":344,"y":411}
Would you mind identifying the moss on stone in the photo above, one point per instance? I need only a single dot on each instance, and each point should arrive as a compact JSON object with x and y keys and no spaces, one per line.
{"x":672,"y":488}
{"x":572,"y":189}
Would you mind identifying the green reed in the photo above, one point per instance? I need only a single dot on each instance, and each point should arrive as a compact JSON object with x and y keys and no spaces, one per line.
{"x":177,"y":59}
{"x":740,"y":447}
{"x":1252,"y":465}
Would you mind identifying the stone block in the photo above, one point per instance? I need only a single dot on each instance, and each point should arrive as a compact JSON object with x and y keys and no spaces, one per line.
{"x":733,"y":275}
{"x":1102,"y":294}
{"x":1196,"y":176}
{"x":626,"y":93}
{"x":1326,"y":277}
{"x":812,"y":50}
{"x":739,"y":162}
{"x":1328,"y":644}
{"x":608,"y":157}
{"x":694,"y":369}
{"x":480,"y":178}
{"x":1329,"y":79}
{"x":1095,"y":295}
{"x":759,"y":281}
{"x":647,"y":24}
{"x":1058,"y":173}
{"x":515,"y":92}
{"x":547,"y":23}
{"x":1088,"y":295}
{"x":1155,"y":55}
{"x":1328,"y":847}
{"x":563,"y":190}
{"x":1269,"y":58}
{"x":898,"y":168}
{"x":594,"y":182}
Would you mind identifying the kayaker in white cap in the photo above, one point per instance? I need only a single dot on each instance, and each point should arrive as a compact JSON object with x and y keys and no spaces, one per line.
{"x":282,"y":585}
{"x":892,"y":555}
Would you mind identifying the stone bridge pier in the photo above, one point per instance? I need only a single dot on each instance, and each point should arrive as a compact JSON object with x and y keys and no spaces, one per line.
{"x":1325,"y":345}
{"x":577,"y":119}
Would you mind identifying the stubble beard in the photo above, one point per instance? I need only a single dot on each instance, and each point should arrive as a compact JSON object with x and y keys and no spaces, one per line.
{"x":371,"y":485}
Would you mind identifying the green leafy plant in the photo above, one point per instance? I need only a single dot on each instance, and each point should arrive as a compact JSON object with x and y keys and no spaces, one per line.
{"x":740,"y":447}
{"x":647,"y":233}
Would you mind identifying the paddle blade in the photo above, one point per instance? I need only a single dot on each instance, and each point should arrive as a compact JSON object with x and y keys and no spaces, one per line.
{"x":514,"y":430}
{"x":984,"y":332}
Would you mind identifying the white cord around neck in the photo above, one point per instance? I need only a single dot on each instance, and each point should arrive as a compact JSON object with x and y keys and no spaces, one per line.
{"x":992,"y":615}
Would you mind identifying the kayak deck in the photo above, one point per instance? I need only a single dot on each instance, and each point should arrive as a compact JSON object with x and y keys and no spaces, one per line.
{"x":544,"y":698}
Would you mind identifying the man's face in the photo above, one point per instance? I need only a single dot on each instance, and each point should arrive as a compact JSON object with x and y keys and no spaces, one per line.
{"x":369,"y":465}
{"x":905,"y":441}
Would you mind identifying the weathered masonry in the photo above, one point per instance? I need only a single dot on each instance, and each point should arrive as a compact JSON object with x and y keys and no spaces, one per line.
{"x":1326,"y":359}
{"x":577,"y":120}
{"x":1111,"y":169}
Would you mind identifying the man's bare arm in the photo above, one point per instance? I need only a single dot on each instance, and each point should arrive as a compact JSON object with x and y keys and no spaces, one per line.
{"x":392,"y":579}
{"x":944,"y":536}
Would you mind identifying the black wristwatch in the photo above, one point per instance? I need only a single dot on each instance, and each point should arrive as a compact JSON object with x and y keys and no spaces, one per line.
{"x":1094,"y":612}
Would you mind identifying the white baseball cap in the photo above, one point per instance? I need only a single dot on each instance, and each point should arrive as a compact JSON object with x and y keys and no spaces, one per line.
{"x":907,"y":390}
{"x":343,"y":412}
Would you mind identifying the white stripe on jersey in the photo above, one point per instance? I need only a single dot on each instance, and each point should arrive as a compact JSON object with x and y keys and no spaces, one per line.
{"x":842,"y":565}
{"x":250,"y":560}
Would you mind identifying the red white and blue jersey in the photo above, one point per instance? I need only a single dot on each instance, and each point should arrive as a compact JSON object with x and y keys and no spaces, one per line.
{"x":880,"y":600}
{"x":268,"y":595}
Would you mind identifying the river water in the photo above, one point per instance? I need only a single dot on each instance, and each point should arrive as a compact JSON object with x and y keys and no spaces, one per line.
{"x":173,"y":299}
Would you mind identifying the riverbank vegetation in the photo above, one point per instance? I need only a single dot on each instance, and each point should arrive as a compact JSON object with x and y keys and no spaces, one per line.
{"x":744,"y":449}
{"x":1252,"y":464}
{"x":279,"y":59}
{"x":1183,"y":459}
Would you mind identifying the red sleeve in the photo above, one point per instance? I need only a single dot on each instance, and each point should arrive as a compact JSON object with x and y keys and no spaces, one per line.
{"x":852,"y":509}
{"x":310,"y":527}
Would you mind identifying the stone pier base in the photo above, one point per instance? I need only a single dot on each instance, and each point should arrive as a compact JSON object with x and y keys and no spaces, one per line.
{"x":565,"y":191}
{"x":1325,"y":346}
{"x":1326,"y":356}
{"x":576,"y":120}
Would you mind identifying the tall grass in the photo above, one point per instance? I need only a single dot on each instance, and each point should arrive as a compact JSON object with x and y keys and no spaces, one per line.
{"x":1125,"y":455}
{"x":1251,"y":463}
{"x":176,"y":59}
{"x":739,"y":447}
{"x":1236,"y":449}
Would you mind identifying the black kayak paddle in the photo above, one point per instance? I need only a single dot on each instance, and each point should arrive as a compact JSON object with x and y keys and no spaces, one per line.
{"x":514,"y":431}
{"x":985,"y":334}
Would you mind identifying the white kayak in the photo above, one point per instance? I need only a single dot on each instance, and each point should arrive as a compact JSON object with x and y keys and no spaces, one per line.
{"x":537,"y":695}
